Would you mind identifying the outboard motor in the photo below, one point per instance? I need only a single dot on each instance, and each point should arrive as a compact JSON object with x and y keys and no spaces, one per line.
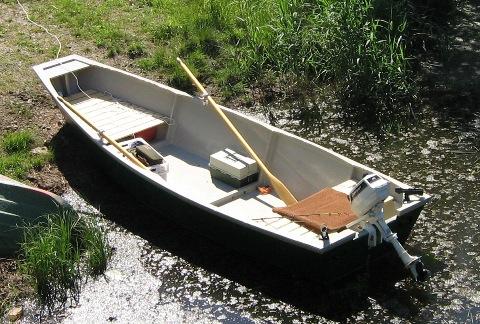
{"x":367,"y":203}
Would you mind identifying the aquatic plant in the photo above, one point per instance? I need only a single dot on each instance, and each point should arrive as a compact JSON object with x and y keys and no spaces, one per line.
{"x":52,"y":255}
{"x":362,"y":50}
{"x":95,"y":245}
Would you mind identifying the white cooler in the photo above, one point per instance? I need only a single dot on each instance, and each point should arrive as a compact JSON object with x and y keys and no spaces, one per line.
{"x":233,"y":168}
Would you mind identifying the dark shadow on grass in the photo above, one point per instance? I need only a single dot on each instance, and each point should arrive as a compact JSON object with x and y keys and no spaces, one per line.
{"x":338,"y":302}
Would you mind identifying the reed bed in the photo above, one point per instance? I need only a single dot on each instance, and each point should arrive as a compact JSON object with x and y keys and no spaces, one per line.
{"x":362,"y":49}
{"x":57,"y":251}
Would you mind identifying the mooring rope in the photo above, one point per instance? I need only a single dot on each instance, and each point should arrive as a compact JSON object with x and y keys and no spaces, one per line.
{"x":58,"y":41}
{"x":42,"y":27}
{"x":168,"y":120}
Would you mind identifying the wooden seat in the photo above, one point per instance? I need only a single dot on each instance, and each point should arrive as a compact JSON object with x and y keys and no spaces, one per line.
{"x":118,"y":119}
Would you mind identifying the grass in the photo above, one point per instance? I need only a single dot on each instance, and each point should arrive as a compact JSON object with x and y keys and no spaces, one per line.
{"x":16,"y":159}
{"x":53,"y":252}
{"x":95,"y":245}
{"x":17,"y":141}
{"x":20,"y":109}
{"x":362,"y":49}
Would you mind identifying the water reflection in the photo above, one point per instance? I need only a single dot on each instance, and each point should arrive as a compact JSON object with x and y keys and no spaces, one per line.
{"x":203,"y":279}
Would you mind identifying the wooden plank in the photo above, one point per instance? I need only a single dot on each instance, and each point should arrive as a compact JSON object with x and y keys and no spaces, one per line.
{"x":92,"y":110}
{"x":104,"y":117}
{"x":89,"y":104}
{"x":132,"y":122}
{"x":290,"y":227}
{"x":280,"y":223}
{"x":94,"y":99}
{"x":116,"y":107}
{"x":120,"y":118}
{"x":105,"y":107}
{"x":106,"y":97}
{"x":115,"y":112}
{"x":116,"y":118}
{"x":80,"y":95}
{"x":145,"y":111}
{"x":300,"y":230}
{"x":310,"y":236}
{"x":80,"y":100}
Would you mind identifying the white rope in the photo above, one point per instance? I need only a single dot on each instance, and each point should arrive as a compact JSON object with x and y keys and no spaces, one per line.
{"x":168,"y":120}
{"x":58,"y":41}
{"x":42,"y":27}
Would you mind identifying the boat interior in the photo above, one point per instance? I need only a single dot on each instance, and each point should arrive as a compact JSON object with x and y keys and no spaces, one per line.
{"x":186,"y":132}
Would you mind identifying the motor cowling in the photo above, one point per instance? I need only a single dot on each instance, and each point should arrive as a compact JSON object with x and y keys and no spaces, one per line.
{"x":366,"y":200}
{"x":367,"y":193}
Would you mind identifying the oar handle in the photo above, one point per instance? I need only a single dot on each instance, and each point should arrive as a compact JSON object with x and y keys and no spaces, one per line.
{"x":122,"y":150}
{"x":277,"y":185}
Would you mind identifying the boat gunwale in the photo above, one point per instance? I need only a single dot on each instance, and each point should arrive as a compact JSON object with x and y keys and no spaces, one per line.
{"x":347,"y":234}
{"x":40,"y":67}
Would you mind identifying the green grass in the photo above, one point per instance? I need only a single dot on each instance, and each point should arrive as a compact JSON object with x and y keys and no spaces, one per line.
{"x":18,"y":165}
{"x":51,"y":259}
{"x":136,"y":50}
{"x":95,"y":245}
{"x":16,"y":160}
{"x":17,"y":142}
{"x":359,"y":48}
{"x":21,"y":109}
{"x":53,"y":252}
{"x":3,"y":31}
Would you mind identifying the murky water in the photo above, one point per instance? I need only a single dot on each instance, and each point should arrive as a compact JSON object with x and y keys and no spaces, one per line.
{"x":444,"y":159}
{"x":162,"y":273}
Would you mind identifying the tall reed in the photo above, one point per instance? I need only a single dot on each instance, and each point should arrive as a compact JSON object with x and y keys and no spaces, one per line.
{"x":52,"y":254}
{"x":345,"y":42}
{"x":361,"y":47}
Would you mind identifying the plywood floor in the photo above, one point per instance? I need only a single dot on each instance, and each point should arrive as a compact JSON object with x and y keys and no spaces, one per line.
{"x":191,"y":177}
{"x":116,"y":118}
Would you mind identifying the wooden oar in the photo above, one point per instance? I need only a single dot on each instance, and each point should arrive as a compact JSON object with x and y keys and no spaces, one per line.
{"x":277,"y":185}
{"x":122,"y":150}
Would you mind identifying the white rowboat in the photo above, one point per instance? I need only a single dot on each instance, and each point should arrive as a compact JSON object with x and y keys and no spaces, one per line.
{"x":186,"y":133}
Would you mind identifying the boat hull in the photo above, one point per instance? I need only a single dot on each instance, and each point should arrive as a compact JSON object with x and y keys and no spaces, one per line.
{"x":20,"y":206}
{"x":327,"y":267}
{"x":121,"y":105}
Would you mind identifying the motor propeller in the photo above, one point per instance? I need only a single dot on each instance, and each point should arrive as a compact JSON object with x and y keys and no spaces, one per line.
{"x":367,"y":198}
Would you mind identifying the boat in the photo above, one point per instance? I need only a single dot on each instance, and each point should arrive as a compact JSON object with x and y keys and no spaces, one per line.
{"x":176,"y":154}
{"x":22,"y":205}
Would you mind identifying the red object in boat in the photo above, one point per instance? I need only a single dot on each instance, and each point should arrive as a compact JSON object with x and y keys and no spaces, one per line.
{"x":148,"y":134}
{"x":264,"y":190}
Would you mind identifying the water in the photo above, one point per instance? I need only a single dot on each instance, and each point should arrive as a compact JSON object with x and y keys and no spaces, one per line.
{"x":162,"y":273}
{"x":443,"y":158}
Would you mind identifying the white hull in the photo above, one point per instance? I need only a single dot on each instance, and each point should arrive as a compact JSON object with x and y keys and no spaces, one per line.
{"x":188,"y":132}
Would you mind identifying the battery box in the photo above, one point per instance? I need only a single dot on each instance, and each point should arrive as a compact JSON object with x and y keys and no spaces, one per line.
{"x":147,"y":155}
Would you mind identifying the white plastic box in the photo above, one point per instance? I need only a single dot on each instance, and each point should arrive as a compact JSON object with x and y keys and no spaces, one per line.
{"x":233,"y":168}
